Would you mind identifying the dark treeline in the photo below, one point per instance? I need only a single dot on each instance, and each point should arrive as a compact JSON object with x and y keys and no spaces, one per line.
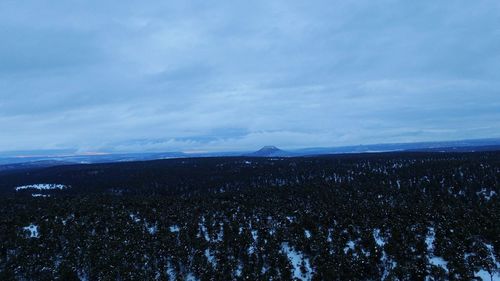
{"x":392,"y":216}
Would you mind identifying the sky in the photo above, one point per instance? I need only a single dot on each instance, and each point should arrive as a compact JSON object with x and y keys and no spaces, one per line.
{"x":134,"y":76}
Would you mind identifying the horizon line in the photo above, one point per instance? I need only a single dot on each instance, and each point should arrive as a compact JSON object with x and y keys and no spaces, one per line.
{"x":25,"y":153}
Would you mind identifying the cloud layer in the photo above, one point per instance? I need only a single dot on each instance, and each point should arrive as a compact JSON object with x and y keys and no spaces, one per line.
{"x":232,"y":75}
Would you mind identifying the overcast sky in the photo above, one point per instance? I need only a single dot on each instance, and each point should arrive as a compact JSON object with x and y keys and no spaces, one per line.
{"x":236,"y":75}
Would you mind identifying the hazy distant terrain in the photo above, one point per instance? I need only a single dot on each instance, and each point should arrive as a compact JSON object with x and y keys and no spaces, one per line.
{"x":47,"y":158}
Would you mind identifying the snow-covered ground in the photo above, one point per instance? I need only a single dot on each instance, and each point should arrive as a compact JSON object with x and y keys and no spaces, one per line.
{"x":483,"y":274}
{"x":210,"y":257}
{"x":388,"y":265}
{"x":255,"y":235}
{"x":42,"y":186}
{"x":487,"y":195}
{"x":152,"y":228}
{"x":174,"y":228}
{"x":439,"y":262}
{"x":378,"y":238}
{"x":429,"y":239}
{"x":171,"y":272}
{"x":433,"y":260}
{"x":203,"y":231}
{"x":190,"y":277}
{"x":298,"y":260}
{"x":349,"y":246}
{"x":329,"y":238}
{"x":32,"y":229}
{"x":39,"y":195}
{"x":135,"y":218}
{"x":239,"y":270}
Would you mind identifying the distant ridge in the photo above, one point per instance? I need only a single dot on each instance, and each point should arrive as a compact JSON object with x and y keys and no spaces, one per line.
{"x":48,"y":158}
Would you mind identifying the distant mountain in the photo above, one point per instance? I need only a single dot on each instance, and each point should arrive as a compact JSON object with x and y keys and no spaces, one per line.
{"x":270,"y":151}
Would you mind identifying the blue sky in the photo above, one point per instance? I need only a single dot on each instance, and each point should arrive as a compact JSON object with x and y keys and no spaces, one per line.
{"x":237,"y":75}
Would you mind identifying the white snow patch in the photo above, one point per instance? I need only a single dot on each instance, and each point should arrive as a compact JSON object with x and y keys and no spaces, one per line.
{"x":210,"y":257}
{"x":239,"y":270}
{"x":307,"y":233}
{"x":439,"y":262}
{"x":378,"y":238}
{"x":492,"y":254}
{"x":134,"y":218}
{"x":485,"y":194}
{"x":329,"y":239}
{"x":255,"y":235}
{"x":174,"y":228}
{"x":220,"y":234}
{"x":33,"y":230}
{"x":251,"y":249}
{"x":433,"y":260}
{"x":172,"y":276}
{"x":203,"y":230}
{"x":388,"y":266}
{"x":429,"y":239}
{"x":485,"y":276}
{"x":350,"y":246}
{"x":39,"y":195}
{"x":152,"y":228}
{"x":272,"y":231}
{"x":190,"y":277}
{"x":42,"y":186}
{"x":264,"y":269}
{"x":298,"y":261}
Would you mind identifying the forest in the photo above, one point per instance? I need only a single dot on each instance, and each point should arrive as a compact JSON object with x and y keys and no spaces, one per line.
{"x":373,"y":216}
